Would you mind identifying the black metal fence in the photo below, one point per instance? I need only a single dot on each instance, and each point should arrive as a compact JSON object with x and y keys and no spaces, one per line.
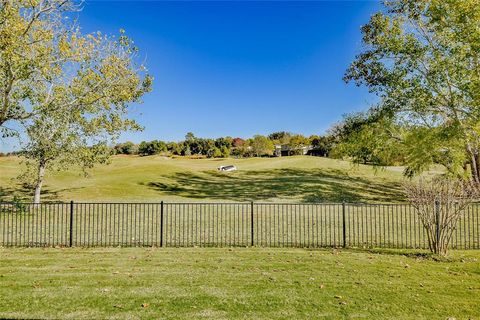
{"x":224,"y":224}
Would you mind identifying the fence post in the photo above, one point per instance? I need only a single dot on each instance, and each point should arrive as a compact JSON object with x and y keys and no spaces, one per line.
{"x":344,"y":227}
{"x":161,"y":224}
{"x":251,"y":225}
{"x":437,"y":230}
{"x":70,"y":243}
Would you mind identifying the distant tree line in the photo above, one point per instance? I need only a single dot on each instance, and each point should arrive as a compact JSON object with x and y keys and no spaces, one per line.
{"x":256,"y":146}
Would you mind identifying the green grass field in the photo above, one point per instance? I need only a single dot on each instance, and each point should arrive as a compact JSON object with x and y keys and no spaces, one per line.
{"x":155,"y":178}
{"x":201,"y":283}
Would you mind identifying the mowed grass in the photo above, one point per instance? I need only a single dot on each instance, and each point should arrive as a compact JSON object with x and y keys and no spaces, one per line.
{"x":156,"y":178}
{"x":240,"y":283}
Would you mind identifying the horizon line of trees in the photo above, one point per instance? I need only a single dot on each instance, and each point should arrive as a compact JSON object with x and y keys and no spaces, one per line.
{"x":222,"y":147}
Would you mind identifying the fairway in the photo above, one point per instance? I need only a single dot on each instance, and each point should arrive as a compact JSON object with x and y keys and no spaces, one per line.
{"x":236,"y":283}
{"x":156,"y":178}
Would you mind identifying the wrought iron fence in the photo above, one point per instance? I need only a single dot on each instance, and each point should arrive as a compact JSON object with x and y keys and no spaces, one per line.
{"x":224,"y":224}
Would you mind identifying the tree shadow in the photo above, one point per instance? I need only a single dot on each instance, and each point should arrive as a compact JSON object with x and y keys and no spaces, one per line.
{"x":313,"y":185}
{"x":24,"y":194}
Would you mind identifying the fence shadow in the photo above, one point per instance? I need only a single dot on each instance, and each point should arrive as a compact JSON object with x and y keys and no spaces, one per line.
{"x":315,"y":185}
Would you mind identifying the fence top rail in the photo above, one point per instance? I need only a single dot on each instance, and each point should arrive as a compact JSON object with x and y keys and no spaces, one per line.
{"x":215,"y":203}
{"x":205,"y":203}
{"x":31,"y":203}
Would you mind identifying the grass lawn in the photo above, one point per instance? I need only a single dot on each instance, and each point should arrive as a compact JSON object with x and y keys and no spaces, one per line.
{"x":155,"y":178}
{"x":240,"y":283}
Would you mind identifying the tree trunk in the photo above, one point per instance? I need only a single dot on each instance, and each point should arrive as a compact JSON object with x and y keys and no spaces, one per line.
{"x":474,"y":164}
{"x":477,"y":163}
{"x":39,"y":182}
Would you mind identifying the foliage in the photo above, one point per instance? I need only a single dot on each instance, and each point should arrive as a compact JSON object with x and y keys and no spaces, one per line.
{"x":322,"y":144}
{"x":224,"y":152}
{"x":421,"y":58}
{"x":237,"y":142}
{"x":152,"y":147}
{"x":80,"y":103}
{"x":368,"y":139}
{"x":281,"y":137}
{"x":440,"y":203}
{"x":260,"y":146}
{"x":222,"y":147}
{"x":214,"y":153}
{"x":226,"y":142}
{"x":174,"y":148}
{"x":125,"y":148}
{"x":32,"y":38}
{"x":296,"y":143}
{"x":186,"y":150}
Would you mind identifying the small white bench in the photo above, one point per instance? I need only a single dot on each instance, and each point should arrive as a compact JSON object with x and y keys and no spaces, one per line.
{"x":227,"y":168}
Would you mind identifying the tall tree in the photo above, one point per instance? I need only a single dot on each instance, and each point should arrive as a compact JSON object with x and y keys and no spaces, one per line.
{"x":422,"y":59}
{"x":261,"y":146}
{"x":81,"y":104}
{"x":29,"y":30}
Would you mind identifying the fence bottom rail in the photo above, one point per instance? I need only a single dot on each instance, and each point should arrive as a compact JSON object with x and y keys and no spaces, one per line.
{"x":312,"y":225}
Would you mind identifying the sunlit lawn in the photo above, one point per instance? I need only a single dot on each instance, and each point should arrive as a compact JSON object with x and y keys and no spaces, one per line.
{"x":155,"y":178}
{"x":240,"y":283}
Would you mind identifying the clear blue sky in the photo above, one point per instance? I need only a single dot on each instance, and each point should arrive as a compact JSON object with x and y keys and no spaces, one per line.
{"x":240,"y":68}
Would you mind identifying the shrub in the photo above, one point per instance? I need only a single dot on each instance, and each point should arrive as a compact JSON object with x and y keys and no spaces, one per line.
{"x":440,"y":203}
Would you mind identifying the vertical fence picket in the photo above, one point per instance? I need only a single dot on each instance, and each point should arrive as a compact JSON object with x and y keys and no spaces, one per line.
{"x":227,"y":224}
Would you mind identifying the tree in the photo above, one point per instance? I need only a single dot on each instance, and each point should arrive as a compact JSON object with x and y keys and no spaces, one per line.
{"x":152,"y":147}
{"x":238,"y":142}
{"x":57,"y":143}
{"x":440,"y":203}
{"x":32,"y":34}
{"x":261,"y":146}
{"x":206,"y":147}
{"x":322,"y":144}
{"x":238,"y":147}
{"x":296,"y":144}
{"x":421,"y":59}
{"x":365,"y":138}
{"x":224,"y":152}
{"x":214,"y":153}
{"x":190,"y":137}
{"x":82,"y":104}
{"x":226,"y":142}
{"x":281,"y":137}
{"x":186,"y":150}
{"x":125,"y":148}
{"x":174,"y":148}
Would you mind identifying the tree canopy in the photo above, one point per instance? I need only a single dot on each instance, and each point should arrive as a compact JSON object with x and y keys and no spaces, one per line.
{"x":422,"y":59}
{"x":71,"y":91}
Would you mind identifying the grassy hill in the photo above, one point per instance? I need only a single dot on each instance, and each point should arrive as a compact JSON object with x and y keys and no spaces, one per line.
{"x":156,"y":178}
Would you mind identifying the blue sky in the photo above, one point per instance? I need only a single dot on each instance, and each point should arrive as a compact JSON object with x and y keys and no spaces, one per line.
{"x":240,"y":68}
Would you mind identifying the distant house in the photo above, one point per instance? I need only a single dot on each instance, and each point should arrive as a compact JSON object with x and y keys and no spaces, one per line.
{"x":282,"y":150}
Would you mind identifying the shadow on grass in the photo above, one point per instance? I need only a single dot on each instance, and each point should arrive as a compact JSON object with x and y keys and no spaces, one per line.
{"x":313,"y":185}
{"x":25,"y":194}
{"x":418,"y":254}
